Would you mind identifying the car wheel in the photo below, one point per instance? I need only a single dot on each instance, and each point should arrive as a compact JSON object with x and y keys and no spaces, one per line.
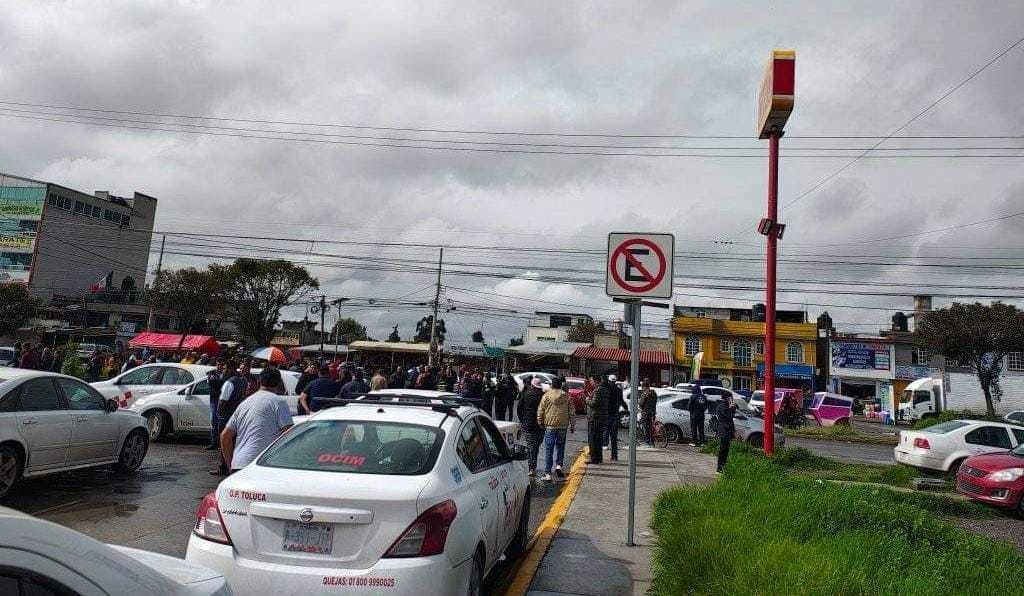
{"x":158,"y":423}
{"x":955,"y":467}
{"x":476,"y":579}
{"x":133,"y":452}
{"x":756,"y":441}
{"x":518,"y":545}
{"x":10,"y":469}
{"x":673,"y":434}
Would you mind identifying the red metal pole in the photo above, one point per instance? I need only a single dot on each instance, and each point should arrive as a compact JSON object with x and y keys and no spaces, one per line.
{"x":769,"y":299}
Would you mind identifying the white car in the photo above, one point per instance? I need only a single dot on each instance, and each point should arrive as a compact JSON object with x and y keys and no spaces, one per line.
{"x":407,"y":497}
{"x":6,"y":356}
{"x":148,"y":379}
{"x":945,"y":446}
{"x":545,"y":379}
{"x":674,"y":413}
{"x":52,"y":423}
{"x":41,"y":557}
{"x":187,"y":410}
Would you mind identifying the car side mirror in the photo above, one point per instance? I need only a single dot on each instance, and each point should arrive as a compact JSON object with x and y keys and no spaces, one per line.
{"x":111,"y":405}
{"x":520,"y":452}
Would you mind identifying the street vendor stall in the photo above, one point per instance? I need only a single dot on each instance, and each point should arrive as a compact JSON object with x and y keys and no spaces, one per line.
{"x":170,"y":342}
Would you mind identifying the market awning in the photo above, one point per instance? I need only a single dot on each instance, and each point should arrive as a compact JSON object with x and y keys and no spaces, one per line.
{"x":328,"y":348}
{"x":170,"y":341}
{"x":547,"y":348}
{"x":622,"y":355}
{"x":388,"y":346}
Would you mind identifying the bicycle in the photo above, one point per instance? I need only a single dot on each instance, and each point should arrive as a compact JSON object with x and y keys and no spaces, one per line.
{"x":658,"y":430}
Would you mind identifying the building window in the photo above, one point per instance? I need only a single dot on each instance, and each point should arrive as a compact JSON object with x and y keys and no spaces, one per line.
{"x":51,"y":199}
{"x":700,"y":314}
{"x":794,"y":352}
{"x":725,"y":347}
{"x":1015,"y":361}
{"x":79,"y":207}
{"x":741,"y":383}
{"x":97,"y":212}
{"x":741,"y":352}
{"x":759,"y":347}
{"x":125,"y":220}
{"x":920,"y":357}
{"x":692,"y":345}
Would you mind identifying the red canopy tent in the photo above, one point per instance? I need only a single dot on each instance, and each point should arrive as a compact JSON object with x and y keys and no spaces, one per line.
{"x":171,"y":341}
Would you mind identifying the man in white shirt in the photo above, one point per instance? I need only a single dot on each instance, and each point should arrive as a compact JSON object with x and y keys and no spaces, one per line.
{"x":260,"y":419}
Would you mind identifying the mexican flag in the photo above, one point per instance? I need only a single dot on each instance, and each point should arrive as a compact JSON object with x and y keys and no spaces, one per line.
{"x":103,"y":284}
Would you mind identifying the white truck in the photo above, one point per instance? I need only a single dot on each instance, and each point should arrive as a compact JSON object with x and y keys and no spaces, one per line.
{"x":928,"y":396}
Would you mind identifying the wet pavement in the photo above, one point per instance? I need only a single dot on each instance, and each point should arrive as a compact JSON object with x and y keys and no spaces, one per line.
{"x":858,"y":453}
{"x":154,"y":509}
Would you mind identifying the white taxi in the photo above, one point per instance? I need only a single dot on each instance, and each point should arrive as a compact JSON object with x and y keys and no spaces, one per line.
{"x":416,"y":496}
{"x":148,"y":379}
{"x":187,"y":410}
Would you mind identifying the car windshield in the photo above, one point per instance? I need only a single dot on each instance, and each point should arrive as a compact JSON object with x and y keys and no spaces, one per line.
{"x":945,"y":427}
{"x":357,"y":447}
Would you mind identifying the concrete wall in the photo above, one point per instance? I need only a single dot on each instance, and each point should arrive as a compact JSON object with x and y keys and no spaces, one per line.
{"x":75,"y":250}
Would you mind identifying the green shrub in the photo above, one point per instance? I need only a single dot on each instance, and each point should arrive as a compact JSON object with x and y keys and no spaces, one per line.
{"x":71,"y":362}
{"x":760,"y":531}
{"x":948,"y":415}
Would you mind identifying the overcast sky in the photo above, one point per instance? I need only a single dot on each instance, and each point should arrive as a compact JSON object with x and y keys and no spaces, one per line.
{"x":655,"y":68}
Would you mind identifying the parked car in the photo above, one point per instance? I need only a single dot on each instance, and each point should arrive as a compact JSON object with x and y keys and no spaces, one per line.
{"x":40,"y":557}
{"x":546,"y":379}
{"x":674,"y":414}
{"x":406,"y":497}
{"x":7,"y":356}
{"x":944,"y":447}
{"x":574,"y":385}
{"x":148,"y":379}
{"x":1015,"y":417}
{"x":995,"y":478}
{"x":187,"y":410}
{"x":52,"y":423}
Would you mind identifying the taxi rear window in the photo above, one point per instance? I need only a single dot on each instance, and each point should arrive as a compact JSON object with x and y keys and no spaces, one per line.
{"x":357,"y":447}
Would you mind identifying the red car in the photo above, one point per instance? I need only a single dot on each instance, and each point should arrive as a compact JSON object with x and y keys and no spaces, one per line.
{"x":574,"y":385}
{"x":995,"y":478}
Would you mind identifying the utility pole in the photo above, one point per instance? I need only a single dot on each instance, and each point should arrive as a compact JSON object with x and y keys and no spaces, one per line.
{"x":437,"y":300}
{"x":159,"y":264}
{"x":321,"y":307}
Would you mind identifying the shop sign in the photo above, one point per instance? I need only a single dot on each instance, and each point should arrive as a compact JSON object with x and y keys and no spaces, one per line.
{"x":861,"y":356}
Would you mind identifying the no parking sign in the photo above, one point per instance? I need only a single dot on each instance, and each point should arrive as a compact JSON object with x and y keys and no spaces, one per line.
{"x":639,"y":265}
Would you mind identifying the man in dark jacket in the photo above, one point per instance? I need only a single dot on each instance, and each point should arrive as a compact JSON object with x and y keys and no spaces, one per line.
{"x":232,"y":391}
{"x":597,"y":417}
{"x":726,"y":428}
{"x":505,"y":398}
{"x":528,"y":405}
{"x":354,"y":388}
{"x":215,"y":379}
{"x":616,"y":404}
{"x":397,"y":379}
{"x":648,"y":406}
{"x":697,"y":406}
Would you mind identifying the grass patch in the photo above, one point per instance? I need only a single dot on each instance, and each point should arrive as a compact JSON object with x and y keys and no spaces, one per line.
{"x":759,"y":530}
{"x":802,"y":462}
{"x":841,"y":432}
{"x":948,"y":415}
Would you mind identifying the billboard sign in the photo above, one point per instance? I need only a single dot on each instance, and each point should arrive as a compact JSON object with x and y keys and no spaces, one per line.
{"x":868,"y":356}
{"x":775,"y":103}
{"x":22,"y":201}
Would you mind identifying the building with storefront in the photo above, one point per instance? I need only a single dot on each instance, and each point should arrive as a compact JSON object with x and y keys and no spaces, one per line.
{"x":553,"y":326}
{"x":62,"y":242}
{"x":863,"y":367}
{"x":727,"y":344}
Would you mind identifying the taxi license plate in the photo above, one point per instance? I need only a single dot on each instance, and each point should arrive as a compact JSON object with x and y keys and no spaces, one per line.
{"x":311,"y":538}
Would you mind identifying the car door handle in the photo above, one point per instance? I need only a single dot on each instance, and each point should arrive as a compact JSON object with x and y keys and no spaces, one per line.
{"x":484,"y":502}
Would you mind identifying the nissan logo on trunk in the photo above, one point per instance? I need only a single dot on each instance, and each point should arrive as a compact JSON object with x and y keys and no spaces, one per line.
{"x":306,"y":515}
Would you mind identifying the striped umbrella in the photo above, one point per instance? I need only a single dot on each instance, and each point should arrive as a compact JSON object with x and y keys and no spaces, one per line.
{"x":270,"y":354}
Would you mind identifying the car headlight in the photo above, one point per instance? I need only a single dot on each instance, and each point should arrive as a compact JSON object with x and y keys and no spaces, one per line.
{"x":1007,"y":475}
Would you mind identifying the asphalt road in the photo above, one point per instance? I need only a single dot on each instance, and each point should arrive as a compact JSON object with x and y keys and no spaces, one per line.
{"x":862,"y":453}
{"x":154,"y":509}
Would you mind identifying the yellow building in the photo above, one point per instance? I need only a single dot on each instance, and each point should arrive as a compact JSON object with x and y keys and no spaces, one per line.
{"x":733,"y":351}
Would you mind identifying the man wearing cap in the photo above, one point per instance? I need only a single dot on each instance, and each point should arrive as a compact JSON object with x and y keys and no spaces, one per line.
{"x":322,"y":386}
{"x":256,"y":423}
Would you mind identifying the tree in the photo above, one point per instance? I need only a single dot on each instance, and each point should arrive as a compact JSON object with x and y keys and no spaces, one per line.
{"x":190,"y":294}
{"x":348,"y":330}
{"x":977,"y":336}
{"x":583,"y":331}
{"x":394,"y":337}
{"x":17,"y":305}
{"x":423,"y":330}
{"x":478,"y":337}
{"x":255,"y":291}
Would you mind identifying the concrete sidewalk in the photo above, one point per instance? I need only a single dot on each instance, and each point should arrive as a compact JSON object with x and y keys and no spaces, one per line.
{"x":588,"y":554}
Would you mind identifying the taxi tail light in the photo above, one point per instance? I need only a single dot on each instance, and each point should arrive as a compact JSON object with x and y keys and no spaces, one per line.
{"x":922,"y":443}
{"x":209,"y":522}
{"x":425,"y":536}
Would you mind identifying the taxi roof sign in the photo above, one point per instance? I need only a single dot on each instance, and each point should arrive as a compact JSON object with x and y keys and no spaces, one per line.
{"x":778,"y":88}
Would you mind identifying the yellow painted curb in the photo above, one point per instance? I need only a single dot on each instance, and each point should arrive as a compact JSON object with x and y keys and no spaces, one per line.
{"x":522,"y":574}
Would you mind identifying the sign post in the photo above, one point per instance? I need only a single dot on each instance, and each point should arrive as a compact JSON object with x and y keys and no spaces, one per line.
{"x":774,"y":107}
{"x":638,"y":266}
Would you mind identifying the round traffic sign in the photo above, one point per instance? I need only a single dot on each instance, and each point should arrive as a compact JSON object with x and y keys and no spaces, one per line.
{"x":651,"y":279}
